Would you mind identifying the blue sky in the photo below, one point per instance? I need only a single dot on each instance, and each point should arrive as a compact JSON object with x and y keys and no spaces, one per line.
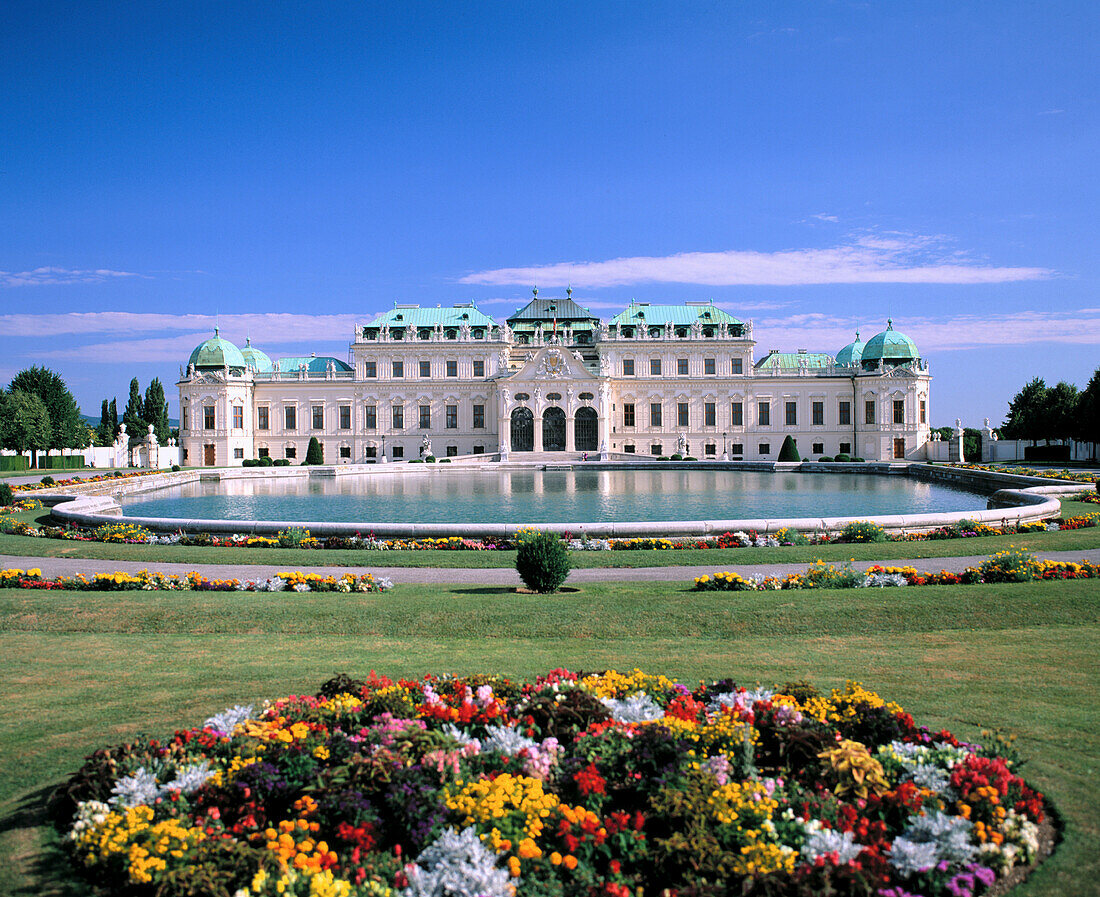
{"x":289,"y":169}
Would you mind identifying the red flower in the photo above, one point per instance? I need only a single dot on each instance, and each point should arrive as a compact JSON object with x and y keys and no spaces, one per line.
{"x":589,"y":780}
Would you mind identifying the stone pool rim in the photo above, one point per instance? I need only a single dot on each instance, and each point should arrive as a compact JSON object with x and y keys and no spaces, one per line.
{"x":1014,"y":499}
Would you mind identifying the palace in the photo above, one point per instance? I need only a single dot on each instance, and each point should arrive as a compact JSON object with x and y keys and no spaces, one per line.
{"x":654,"y":380}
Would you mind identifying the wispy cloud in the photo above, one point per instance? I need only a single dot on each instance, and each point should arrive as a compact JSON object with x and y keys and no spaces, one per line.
{"x":265,"y":327}
{"x":51,"y":276}
{"x":889,"y":257}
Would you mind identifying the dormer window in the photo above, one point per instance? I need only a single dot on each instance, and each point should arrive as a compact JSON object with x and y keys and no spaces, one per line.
{"x":553,"y":397}
{"x":586,"y":397}
{"x":399,"y":317}
{"x":522,"y":397}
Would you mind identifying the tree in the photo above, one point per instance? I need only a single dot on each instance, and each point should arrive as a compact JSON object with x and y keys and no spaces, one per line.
{"x":1087,"y":418}
{"x":156,"y":410}
{"x":67,"y":427}
{"x":104,"y":435}
{"x":789,"y":450}
{"x":1025,"y":412}
{"x":25,"y":424}
{"x":134,"y":415}
{"x":113,"y":410}
{"x":1060,"y":411}
{"x":314,"y":453}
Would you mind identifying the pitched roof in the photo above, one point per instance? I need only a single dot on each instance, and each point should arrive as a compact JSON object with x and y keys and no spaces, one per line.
{"x":794,"y":360}
{"x":315,"y":364}
{"x":548,"y":309}
{"x":415,"y":316}
{"x":642,"y":313}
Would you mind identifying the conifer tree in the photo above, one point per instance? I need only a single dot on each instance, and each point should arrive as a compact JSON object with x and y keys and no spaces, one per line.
{"x":134,"y":415}
{"x":113,"y":410}
{"x":104,"y":435}
{"x":156,"y":410}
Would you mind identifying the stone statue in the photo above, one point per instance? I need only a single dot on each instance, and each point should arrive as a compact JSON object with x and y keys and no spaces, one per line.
{"x":537,"y":393}
{"x":682,"y":444}
{"x":426,"y":447}
{"x":502,"y":359}
{"x":605,"y":366}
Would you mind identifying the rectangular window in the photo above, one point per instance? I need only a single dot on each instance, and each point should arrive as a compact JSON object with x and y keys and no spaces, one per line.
{"x":370,"y":417}
{"x":845,"y":448}
{"x":479,"y":417}
{"x":819,"y":414}
{"x":370,"y":369}
{"x":629,"y":449}
{"x":479,"y":368}
{"x":708,"y":367}
{"x":819,"y":448}
{"x":290,"y":417}
{"x":398,"y":370}
{"x":238,"y":417}
{"x":791,"y":413}
{"x":869,"y":411}
{"x":452,"y":451}
{"x":479,"y":450}
{"x":681,"y":367}
{"x":452,"y":367}
{"x":185,"y":419}
{"x":238,"y":453}
{"x":425,"y":417}
{"x":737,"y":414}
{"x":923,"y":412}
{"x":318,"y":417}
{"x":262,"y":420}
{"x":368,"y":452}
{"x":708,"y":414}
{"x":737,"y":366}
{"x":291,"y":452}
{"x":425,"y":369}
{"x":208,"y":417}
{"x":737,"y":448}
{"x":628,"y":367}
{"x":628,"y":414}
{"x":345,"y":451}
{"x":397,"y":418}
{"x":655,"y":367}
{"x":899,"y":411}
{"x":845,"y":414}
{"x":452,"y":417}
{"x":765,"y":448}
{"x":398,"y":452}
{"x":655,"y":449}
{"x":655,"y":414}
{"x":764,"y":414}
{"x":345,"y":417}
{"x":263,"y":453}
{"x":681,"y":414}
{"x":710,"y":449}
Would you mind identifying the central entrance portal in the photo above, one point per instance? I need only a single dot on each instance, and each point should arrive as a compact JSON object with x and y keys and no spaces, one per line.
{"x":553,"y":430}
{"x":523,"y":430}
{"x":585,"y":427}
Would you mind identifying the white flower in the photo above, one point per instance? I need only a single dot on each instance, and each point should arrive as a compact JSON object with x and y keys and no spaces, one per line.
{"x":458,"y":865}
{"x":825,"y":841}
{"x":225,"y":722}
{"x":639,"y":708}
{"x":505,"y":739}
{"x":134,"y":790}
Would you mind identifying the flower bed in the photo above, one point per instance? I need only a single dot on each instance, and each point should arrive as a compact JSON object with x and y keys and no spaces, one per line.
{"x":75,"y":481}
{"x":144,"y":580}
{"x":625,"y":785}
{"x":1074,"y":476}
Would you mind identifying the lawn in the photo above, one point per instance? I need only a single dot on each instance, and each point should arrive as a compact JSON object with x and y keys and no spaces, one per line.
{"x":86,"y":669}
{"x":1075,"y":540}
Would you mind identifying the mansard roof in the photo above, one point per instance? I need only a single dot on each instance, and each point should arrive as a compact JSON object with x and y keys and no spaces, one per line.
{"x":639,"y":313}
{"x":315,"y":364}
{"x":415,"y":316}
{"x":791,"y":360}
{"x":549,"y":309}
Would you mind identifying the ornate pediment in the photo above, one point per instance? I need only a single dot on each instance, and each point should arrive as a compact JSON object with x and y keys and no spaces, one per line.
{"x":553,"y":363}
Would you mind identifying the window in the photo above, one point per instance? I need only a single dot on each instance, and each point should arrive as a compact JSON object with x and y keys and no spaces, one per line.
{"x":345,"y":451}
{"x":737,"y":448}
{"x":479,"y":417}
{"x":818,"y":448}
{"x":290,"y":417}
{"x":479,"y":449}
{"x":899,"y":411}
{"x":681,"y":414}
{"x":185,"y":419}
{"x":398,"y":370}
{"x":238,"y":453}
{"x":553,"y":397}
{"x":764,"y":414}
{"x":629,"y":449}
{"x":452,"y":367}
{"x":628,"y":414}
{"x":345,"y":417}
{"x":681,"y":367}
{"x":765,"y":448}
{"x":708,"y":367}
{"x":710,"y":449}
{"x":262,"y":420}
{"x":869,"y":411}
{"x":397,"y":418}
{"x":479,"y":368}
{"x":708,"y":414}
{"x":370,"y":417}
{"x":737,"y":366}
{"x":208,"y":417}
{"x":586,"y":397}
{"x":398,"y":452}
{"x":452,"y":417}
{"x":845,"y":448}
{"x":628,"y":367}
{"x":655,"y":414}
{"x":425,"y":417}
{"x":370,"y":369}
{"x":291,"y":452}
{"x":819,"y":414}
{"x":737,"y":414}
{"x":263,"y":452}
{"x":923,"y":412}
{"x":845,"y":414}
{"x":655,"y":367}
{"x":425,"y":369}
{"x":452,"y":451}
{"x":318,"y":417}
{"x":238,"y":418}
{"x":791,"y":413}
{"x":655,"y":449}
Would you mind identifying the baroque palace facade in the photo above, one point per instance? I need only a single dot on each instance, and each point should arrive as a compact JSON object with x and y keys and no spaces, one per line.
{"x":654,"y":380}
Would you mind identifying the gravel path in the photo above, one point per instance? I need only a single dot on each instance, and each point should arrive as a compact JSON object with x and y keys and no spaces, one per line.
{"x":51,"y":567}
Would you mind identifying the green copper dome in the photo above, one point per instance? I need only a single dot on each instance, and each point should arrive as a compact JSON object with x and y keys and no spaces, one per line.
{"x":851,"y":353}
{"x":216,"y":353}
{"x":255,"y":358}
{"x":890,"y":347}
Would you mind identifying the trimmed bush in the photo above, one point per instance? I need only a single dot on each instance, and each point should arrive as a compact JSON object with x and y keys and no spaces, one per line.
{"x":7,"y":497}
{"x":281,"y":462}
{"x":843,"y":458}
{"x":858,"y":459}
{"x":266,"y":461}
{"x":663,"y":458}
{"x":250,"y":462}
{"x":825,"y":459}
{"x":13,"y":462}
{"x":429,"y":459}
{"x":863,"y":531}
{"x":47,"y":481}
{"x":444,"y":460}
{"x":416,"y":460}
{"x":542,"y":561}
{"x":314,"y":453}
{"x":789,"y":450}
{"x":690,"y":458}
{"x":175,"y":468}
{"x":676,"y":457}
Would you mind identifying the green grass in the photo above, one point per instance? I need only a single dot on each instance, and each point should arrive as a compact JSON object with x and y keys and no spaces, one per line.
{"x":1075,"y":540}
{"x":86,"y":669}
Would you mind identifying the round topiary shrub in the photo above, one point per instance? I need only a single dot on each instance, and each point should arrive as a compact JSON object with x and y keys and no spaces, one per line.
{"x":281,"y":462}
{"x":47,"y":481}
{"x":825,"y":459}
{"x":175,"y":468}
{"x":843,"y":457}
{"x":676,"y":457}
{"x":542,"y":561}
